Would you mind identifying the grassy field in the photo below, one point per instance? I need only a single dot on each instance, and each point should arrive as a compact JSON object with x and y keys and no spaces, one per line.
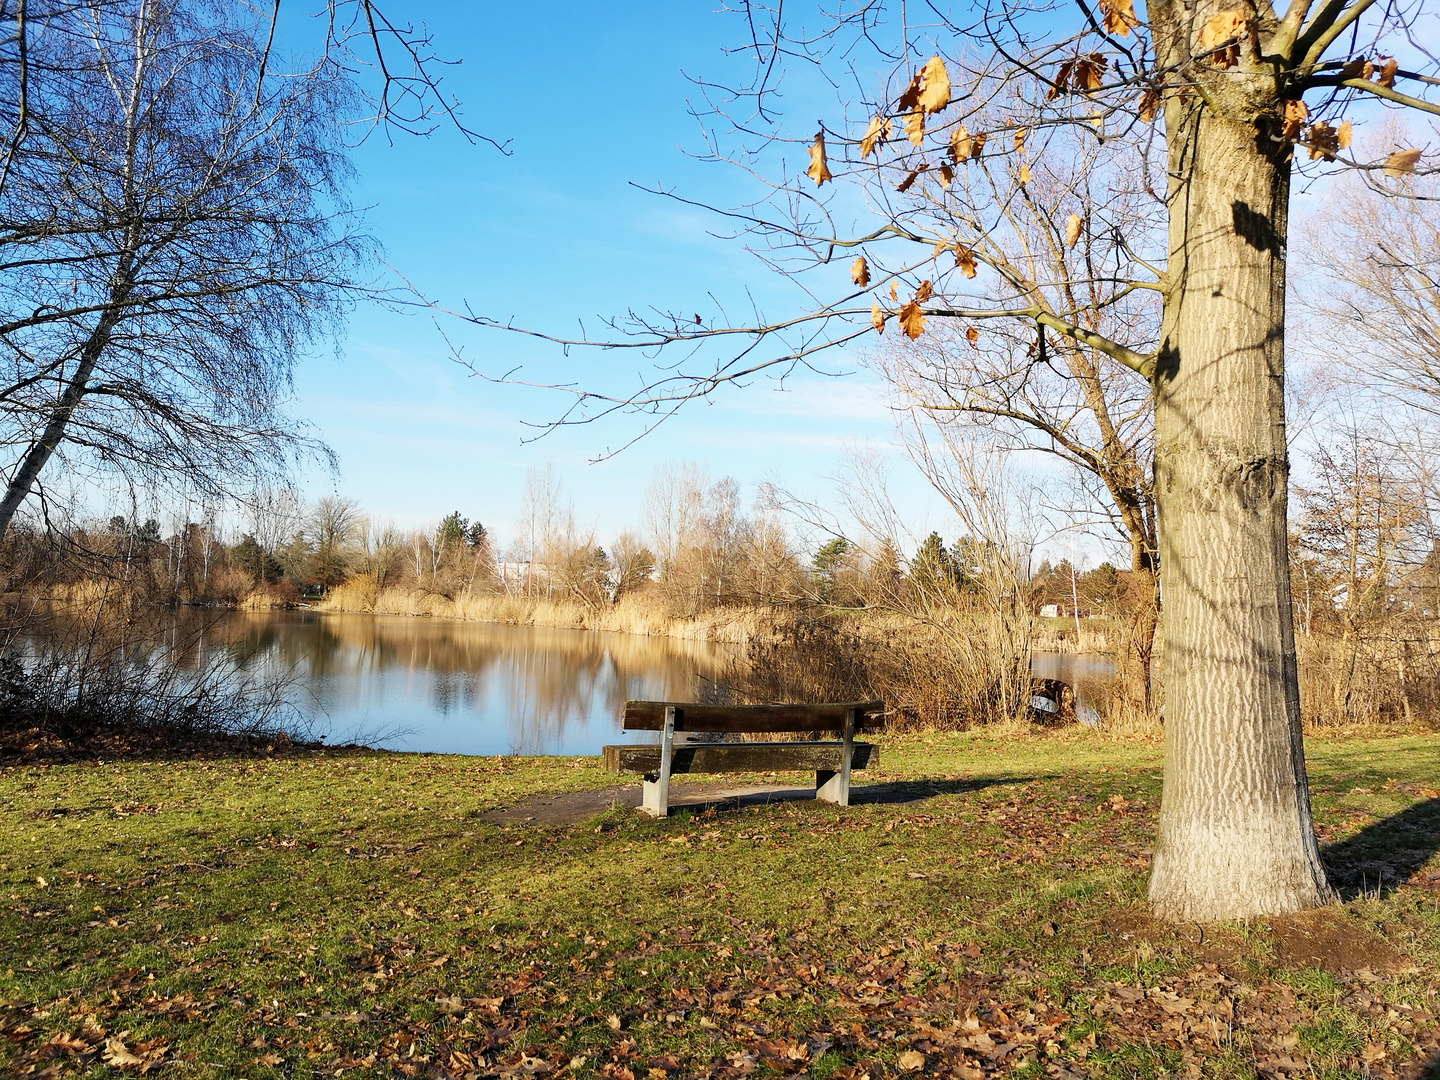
{"x":353,"y":912}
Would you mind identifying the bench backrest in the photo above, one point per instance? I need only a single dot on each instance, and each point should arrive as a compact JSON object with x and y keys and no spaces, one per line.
{"x":753,"y":719}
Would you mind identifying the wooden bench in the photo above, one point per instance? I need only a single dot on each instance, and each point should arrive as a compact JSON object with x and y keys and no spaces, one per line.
{"x":831,"y":760}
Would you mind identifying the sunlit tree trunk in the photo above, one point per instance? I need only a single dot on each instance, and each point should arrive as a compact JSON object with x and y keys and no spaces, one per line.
{"x":1236,"y":837}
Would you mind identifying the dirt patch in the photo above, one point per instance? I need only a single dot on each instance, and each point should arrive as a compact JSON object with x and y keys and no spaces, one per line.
{"x":1329,"y":939}
{"x":571,"y":808}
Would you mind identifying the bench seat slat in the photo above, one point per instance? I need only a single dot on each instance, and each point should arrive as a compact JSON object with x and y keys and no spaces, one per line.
{"x":755,"y":719}
{"x":740,"y":757}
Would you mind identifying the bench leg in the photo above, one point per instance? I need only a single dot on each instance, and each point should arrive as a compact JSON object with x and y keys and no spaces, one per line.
{"x":832,"y":787}
{"x":655,"y":790}
{"x":654,"y":798}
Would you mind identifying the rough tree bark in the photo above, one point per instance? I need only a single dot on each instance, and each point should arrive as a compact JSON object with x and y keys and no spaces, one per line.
{"x":1236,"y":837}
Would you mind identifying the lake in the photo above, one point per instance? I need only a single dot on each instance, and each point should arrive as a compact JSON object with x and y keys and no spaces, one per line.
{"x":438,"y":686}
{"x":462,"y":687}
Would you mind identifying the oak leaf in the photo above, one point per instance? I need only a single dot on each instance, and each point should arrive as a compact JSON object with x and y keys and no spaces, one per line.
{"x":935,"y":94}
{"x":1149,"y":104}
{"x":1401,"y":162}
{"x":965,"y":260}
{"x":911,"y":95}
{"x":819,"y":169}
{"x":1342,"y":135}
{"x":1293,"y":119}
{"x":894,"y":292}
{"x":912,"y":321}
{"x":1020,"y":140}
{"x":980,"y":138}
{"x":1387,"y":73}
{"x":1322,"y":141}
{"x":924,"y":292}
{"x":1089,"y":71}
{"x":860,"y":272}
{"x":947,"y":174}
{"x":1119,"y":16}
{"x":1072,"y":229}
{"x":910,"y":1061}
{"x":1354,"y":69}
{"x":973,"y":336}
{"x":961,"y":145}
{"x":877,"y":317}
{"x":1061,"y":82}
{"x":876,"y":134}
{"x":1220,"y":29}
{"x":915,"y":126}
{"x":904,"y":185}
{"x":117,"y":1055}
{"x":1023,"y":176}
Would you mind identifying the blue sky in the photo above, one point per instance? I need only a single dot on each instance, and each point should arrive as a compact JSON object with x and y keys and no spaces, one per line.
{"x":594,"y":99}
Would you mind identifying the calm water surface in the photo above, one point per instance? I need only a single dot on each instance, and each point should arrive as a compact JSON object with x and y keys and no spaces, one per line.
{"x":1090,"y":675}
{"x":463,"y":688}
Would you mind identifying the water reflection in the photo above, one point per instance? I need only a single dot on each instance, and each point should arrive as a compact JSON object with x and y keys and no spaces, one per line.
{"x":1090,"y":675}
{"x":470,"y":688}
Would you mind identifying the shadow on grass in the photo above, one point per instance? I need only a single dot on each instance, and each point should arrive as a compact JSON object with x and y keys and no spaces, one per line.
{"x":1431,"y":1069}
{"x":1383,"y":856}
{"x":571,"y":807}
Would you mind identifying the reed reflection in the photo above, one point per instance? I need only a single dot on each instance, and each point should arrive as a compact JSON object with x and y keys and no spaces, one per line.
{"x":455,"y":687}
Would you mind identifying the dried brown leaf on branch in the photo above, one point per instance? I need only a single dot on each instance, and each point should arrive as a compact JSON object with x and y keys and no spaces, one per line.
{"x":876,"y":134}
{"x":911,"y":97}
{"x":935,"y":93}
{"x":912,"y":321}
{"x":1401,"y":162}
{"x":1061,"y":82}
{"x":1020,"y":140}
{"x":1358,"y":68}
{"x":1119,"y":16}
{"x":894,"y":292}
{"x":973,"y":337}
{"x":915,"y":126}
{"x":1023,"y":176}
{"x":1387,"y":73}
{"x":1089,"y":73}
{"x":1342,"y":135}
{"x":1149,"y":105}
{"x":947,"y":174}
{"x":819,"y":169}
{"x":1322,"y":141}
{"x":1073,"y":225}
{"x":924,"y":292}
{"x":961,"y":145}
{"x":860,"y":272}
{"x":904,"y":185}
{"x":1293,"y":119}
{"x":1226,"y":26}
{"x":965,"y":260}
{"x":877,"y":317}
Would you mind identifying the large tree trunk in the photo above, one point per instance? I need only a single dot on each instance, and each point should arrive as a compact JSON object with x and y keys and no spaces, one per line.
{"x":1236,"y":837}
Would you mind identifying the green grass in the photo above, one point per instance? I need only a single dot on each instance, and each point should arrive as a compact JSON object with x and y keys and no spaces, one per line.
{"x":303,"y":915}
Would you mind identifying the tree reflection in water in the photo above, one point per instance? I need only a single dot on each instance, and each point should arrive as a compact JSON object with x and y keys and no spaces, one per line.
{"x":455,"y":687}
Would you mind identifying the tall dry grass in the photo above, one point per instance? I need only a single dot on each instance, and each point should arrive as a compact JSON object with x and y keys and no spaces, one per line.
{"x":643,"y":613}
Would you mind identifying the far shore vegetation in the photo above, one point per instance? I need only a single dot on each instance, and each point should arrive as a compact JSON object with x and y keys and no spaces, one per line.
{"x":943,"y":631}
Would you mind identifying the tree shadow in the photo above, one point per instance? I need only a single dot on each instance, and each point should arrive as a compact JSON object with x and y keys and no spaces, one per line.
{"x":1431,"y":1069}
{"x":1383,"y":856}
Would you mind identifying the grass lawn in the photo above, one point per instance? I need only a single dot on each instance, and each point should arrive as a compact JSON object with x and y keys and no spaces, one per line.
{"x":336,"y":912}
